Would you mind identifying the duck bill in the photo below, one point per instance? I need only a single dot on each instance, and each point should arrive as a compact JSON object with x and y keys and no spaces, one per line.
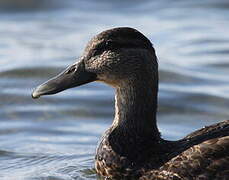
{"x":73,"y":76}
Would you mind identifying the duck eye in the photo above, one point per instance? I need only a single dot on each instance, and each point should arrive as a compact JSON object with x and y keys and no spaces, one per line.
{"x":108,"y":43}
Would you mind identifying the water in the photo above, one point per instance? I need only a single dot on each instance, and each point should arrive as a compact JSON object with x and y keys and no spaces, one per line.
{"x":54,"y":138}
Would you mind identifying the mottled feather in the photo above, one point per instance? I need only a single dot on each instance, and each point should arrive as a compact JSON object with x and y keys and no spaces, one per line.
{"x":208,"y":160}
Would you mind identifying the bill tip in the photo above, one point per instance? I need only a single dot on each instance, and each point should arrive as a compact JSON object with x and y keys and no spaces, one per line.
{"x":35,"y":95}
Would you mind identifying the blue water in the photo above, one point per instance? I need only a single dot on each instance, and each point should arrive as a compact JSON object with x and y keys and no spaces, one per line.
{"x":54,"y":138}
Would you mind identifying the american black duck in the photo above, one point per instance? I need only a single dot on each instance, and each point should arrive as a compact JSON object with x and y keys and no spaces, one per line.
{"x":132,"y":147}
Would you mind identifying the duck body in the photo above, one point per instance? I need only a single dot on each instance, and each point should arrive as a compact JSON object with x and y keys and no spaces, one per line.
{"x":201,"y":155}
{"x":132,"y":148}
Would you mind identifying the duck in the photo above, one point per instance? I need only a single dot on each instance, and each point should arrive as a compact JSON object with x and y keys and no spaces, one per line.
{"x":132,"y":147}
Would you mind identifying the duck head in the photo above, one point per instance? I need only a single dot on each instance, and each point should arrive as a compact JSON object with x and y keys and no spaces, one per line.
{"x":116,"y":57}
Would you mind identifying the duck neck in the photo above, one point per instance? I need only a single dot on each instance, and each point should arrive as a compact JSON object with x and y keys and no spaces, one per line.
{"x":136,"y":107}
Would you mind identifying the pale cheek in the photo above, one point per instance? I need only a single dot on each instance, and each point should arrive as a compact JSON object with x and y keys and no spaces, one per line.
{"x":94,"y":64}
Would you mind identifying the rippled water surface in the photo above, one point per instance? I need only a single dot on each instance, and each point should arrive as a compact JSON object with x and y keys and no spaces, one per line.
{"x":54,"y":138}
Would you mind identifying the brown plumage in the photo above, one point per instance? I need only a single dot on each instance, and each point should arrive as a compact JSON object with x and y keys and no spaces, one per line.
{"x":208,"y":160}
{"x":132,"y":147}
